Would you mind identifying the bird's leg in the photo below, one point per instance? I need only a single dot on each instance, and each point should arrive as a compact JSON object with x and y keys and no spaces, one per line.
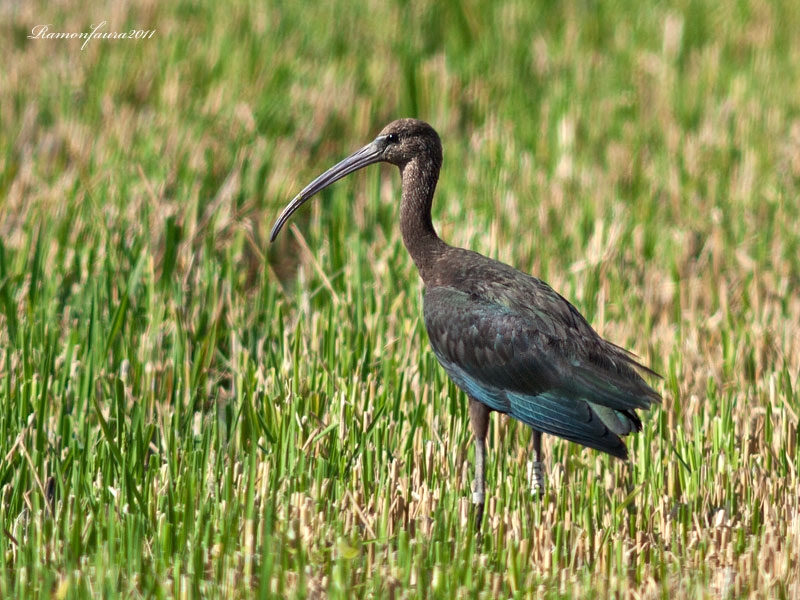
{"x":479,"y":485}
{"x":479,"y":417}
{"x":536,"y":469}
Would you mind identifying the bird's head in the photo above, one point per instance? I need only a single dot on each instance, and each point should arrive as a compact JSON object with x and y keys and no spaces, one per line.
{"x":406,"y":139}
{"x":398,"y":143}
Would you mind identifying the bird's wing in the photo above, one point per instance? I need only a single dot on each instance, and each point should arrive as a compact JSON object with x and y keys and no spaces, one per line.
{"x":572,"y":387}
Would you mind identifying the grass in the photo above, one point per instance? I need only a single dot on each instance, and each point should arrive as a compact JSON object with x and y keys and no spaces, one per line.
{"x":187,"y":412}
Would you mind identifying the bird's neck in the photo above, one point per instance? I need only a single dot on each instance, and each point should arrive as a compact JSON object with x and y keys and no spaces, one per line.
{"x":419,"y":183}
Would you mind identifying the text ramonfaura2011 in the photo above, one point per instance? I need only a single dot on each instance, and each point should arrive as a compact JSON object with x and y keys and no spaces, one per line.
{"x":42,"y":32}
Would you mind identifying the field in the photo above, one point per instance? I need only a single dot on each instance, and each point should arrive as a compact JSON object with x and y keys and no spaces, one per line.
{"x":188,"y":411}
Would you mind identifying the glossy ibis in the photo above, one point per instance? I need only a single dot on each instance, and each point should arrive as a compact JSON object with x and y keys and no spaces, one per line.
{"x":510,"y":342}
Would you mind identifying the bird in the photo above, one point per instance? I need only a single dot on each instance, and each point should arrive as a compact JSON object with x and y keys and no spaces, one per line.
{"x":510,"y":342}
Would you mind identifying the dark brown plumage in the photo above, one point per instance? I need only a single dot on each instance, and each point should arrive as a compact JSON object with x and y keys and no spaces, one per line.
{"x":507,"y":339}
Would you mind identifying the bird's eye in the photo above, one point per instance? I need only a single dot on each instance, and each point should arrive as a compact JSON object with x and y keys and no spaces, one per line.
{"x":391,"y":138}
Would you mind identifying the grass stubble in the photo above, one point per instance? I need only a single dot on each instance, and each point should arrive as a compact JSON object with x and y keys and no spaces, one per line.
{"x":185,"y":412}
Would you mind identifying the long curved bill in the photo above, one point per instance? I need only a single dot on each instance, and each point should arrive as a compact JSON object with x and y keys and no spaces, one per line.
{"x":369,"y":154}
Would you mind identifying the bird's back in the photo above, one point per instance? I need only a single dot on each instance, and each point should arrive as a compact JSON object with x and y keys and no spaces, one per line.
{"x":510,"y":341}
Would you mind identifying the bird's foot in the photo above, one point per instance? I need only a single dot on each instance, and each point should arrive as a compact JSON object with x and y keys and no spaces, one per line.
{"x":536,"y":477}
